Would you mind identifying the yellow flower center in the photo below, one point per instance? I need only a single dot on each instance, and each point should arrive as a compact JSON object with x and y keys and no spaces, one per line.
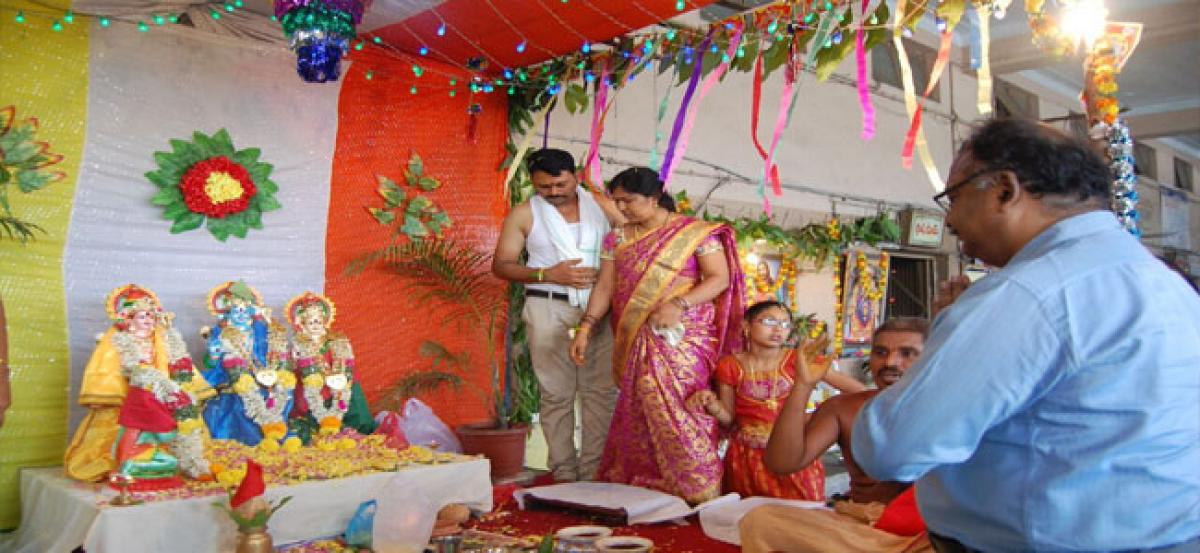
{"x":221,"y":187}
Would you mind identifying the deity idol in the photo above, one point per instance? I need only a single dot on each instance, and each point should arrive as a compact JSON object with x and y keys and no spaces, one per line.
{"x":143,"y":398}
{"x":248,"y":361}
{"x":331,"y":396}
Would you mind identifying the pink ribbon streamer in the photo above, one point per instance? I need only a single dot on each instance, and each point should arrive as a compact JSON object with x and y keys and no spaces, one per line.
{"x":709,"y":81}
{"x":864,"y":93}
{"x":786,"y":101}
{"x":598,"y":108}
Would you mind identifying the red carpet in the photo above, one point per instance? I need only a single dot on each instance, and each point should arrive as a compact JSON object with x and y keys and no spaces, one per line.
{"x":508,"y":519}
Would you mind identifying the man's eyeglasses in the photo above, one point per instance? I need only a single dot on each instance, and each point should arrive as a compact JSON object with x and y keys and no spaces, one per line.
{"x":776,"y":323}
{"x":943,"y":198}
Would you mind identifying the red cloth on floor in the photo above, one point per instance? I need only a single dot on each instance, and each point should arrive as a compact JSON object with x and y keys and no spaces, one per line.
{"x":901,"y":516}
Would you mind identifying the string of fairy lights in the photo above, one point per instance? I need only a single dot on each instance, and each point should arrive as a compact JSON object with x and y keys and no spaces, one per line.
{"x":783,"y":19}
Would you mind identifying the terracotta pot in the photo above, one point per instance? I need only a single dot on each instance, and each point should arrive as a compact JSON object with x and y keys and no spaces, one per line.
{"x":254,"y":540}
{"x":504,"y":447}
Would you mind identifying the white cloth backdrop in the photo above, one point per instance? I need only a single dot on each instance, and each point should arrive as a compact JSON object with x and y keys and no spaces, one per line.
{"x":148,"y":88}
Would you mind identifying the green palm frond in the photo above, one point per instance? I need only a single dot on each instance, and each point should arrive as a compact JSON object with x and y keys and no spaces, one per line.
{"x":445,"y":270}
{"x":458,"y":276}
{"x":414,"y":384}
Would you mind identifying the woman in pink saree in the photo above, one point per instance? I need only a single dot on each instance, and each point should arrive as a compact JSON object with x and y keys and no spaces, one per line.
{"x":676,"y":291}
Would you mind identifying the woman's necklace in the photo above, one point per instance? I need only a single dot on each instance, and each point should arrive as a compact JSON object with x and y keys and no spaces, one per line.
{"x":643,"y":231}
{"x":772,"y":388}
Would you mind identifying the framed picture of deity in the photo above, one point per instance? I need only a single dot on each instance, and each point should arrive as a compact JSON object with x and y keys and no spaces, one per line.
{"x":864,"y":274}
{"x":765,"y":279}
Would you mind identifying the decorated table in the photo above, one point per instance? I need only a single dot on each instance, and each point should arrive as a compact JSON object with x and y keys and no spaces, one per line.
{"x":60,"y":514}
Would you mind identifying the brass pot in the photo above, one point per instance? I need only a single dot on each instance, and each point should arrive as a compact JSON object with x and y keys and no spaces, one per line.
{"x":254,"y":540}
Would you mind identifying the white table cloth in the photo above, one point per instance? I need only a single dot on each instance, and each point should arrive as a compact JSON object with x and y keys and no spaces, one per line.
{"x":60,"y":514}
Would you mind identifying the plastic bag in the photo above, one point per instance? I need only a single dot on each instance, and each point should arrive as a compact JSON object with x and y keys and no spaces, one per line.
{"x":404,"y":520}
{"x":422,"y":427}
{"x":358,"y":532}
{"x":389,"y":424}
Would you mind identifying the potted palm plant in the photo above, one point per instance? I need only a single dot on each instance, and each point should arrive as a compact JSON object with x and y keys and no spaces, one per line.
{"x":458,"y":276}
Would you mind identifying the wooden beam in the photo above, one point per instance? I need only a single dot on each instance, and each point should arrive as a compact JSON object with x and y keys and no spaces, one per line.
{"x":1163,"y":24}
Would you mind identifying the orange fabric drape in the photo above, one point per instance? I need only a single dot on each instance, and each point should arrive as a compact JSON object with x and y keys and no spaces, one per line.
{"x":380,"y":124}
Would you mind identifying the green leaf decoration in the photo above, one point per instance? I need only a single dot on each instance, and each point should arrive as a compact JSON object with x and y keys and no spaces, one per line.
{"x":167,"y":196}
{"x":815,"y":242}
{"x":406,"y":210}
{"x":268,"y":203}
{"x":391,"y":193}
{"x":229,"y":201}
{"x":413,"y":227}
{"x":418,"y":205}
{"x":951,"y":11}
{"x":775,"y":56}
{"x":187,"y":221}
{"x":26,"y":162}
{"x":384,"y":217}
{"x":415,"y":166}
{"x":428,"y":184}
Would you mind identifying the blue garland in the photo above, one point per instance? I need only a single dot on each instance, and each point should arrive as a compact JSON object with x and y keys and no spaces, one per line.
{"x":1124,"y":188}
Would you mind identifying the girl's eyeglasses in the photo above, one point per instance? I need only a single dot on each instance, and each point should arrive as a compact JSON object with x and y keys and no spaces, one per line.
{"x":776,"y":323}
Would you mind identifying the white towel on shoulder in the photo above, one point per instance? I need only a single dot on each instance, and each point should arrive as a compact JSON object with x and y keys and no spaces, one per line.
{"x":592,"y":228}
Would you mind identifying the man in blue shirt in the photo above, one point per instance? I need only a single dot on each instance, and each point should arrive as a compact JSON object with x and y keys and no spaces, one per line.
{"x":1057,"y":404}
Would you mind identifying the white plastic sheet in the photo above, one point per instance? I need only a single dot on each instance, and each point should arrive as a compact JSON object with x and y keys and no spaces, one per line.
{"x":148,"y":88}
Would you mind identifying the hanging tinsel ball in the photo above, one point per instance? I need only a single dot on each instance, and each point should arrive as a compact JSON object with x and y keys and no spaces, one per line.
{"x":319,"y":60}
{"x":320,"y":32}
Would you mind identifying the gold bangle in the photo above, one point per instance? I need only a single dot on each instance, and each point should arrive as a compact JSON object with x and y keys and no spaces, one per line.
{"x":540,"y":275}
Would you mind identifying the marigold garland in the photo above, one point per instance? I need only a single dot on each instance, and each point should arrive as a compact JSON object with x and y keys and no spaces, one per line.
{"x":207,"y":180}
{"x":874,"y":286}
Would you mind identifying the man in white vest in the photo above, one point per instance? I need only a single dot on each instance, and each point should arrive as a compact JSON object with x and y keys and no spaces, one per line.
{"x":561,"y":228}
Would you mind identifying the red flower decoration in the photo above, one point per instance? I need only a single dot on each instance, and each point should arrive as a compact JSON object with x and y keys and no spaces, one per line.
{"x":217,"y":187}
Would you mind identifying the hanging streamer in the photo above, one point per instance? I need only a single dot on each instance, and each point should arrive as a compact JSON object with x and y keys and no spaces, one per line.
{"x":599,"y":107}
{"x":984,"y":71}
{"x":711,"y":80}
{"x":594,"y":180}
{"x":860,"y":57}
{"x":669,"y":157}
{"x":519,"y":156}
{"x":546,"y":131}
{"x":829,"y":22}
{"x":911,"y":139}
{"x":910,"y":100}
{"x":864,"y":93}
{"x":787,"y":106}
{"x":770,"y":171}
